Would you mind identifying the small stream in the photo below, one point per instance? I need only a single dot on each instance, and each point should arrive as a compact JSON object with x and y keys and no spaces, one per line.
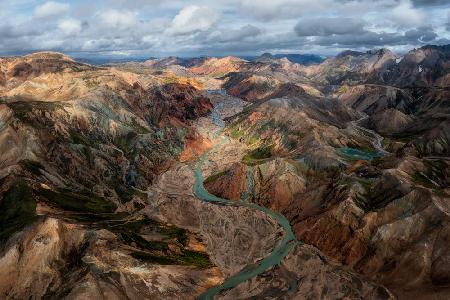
{"x":279,"y":252}
{"x":378,"y":139}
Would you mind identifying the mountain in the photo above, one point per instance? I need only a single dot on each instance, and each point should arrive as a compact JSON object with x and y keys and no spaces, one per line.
{"x":229,"y":178}
{"x":319,"y":164}
{"x":303,"y":59}
{"x":80,"y":144}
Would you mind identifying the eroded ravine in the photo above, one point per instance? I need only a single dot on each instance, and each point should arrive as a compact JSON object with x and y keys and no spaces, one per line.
{"x":278,"y":253}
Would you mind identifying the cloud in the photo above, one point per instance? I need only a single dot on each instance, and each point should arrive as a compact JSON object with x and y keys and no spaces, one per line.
{"x":429,"y":2}
{"x":10,"y":31}
{"x":220,"y":27}
{"x":70,"y":27}
{"x":49,"y":9}
{"x":268,"y":10}
{"x":368,"y":39}
{"x":405,"y":15}
{"x":448,"y":21}
{"x":117,"y":19}
{"x":231,"y":35}
{"x":423,"y":34}
{"x":193,"y":18}
{"x":328,"y":26}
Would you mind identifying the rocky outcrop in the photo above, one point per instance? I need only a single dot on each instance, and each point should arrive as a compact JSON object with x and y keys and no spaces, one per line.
{"x":306,"y":273}
{"x":373,"y":99}
{"x":218,"y":67}
{"x":389,"y":121}
{"x":351,"y":66}
{"x":55,"y":259}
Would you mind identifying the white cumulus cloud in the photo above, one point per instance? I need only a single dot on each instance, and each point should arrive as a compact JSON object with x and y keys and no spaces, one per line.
{"x":70,"y":26}
{"x":193,"y":18}
{"x":49,"y":9}
{"x":405,"y":15}
{"x":118,"y":19}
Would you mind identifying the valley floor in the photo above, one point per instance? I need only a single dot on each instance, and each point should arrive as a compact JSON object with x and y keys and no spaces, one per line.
{"x":240,"y":237}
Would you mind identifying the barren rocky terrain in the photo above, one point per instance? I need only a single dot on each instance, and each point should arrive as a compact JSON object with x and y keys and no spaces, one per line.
{"x":100,"y":169}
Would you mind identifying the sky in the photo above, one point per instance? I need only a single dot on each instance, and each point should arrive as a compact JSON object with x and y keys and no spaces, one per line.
{"x":154,"y":28}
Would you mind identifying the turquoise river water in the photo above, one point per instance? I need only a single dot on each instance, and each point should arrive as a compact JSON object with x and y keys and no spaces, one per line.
{"x":280,"y":251}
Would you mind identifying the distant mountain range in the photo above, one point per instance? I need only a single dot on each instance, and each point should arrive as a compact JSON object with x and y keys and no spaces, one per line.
{"x":303,"y":59}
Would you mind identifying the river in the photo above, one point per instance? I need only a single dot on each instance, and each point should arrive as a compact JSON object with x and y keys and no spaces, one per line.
{"x":280,"y":251}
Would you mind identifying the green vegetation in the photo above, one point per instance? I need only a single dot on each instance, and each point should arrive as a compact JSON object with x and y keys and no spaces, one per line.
{"x":376,"y":198}
{"x":135,"y":226}
{"x":253,"y":140}
{"x":215,"y":177}
{"x":188,"y":257}
{"x":138,"y":127}
{"x":32,"y":166}
{"x":218,"y":75}
{"x":258,"y":155}
{"x":87,"y":152}
{"x":436,"y":176}
{"x":87,"y":217}
{"x":195,"y":258}
{"x":79,"y":138}
{"x":173,"y":232}
{"x":405,"y":136}
{"x":342,"y":89}
{"x":153,"y":258}
{"x":124,"y":142}
{"x":84,"y":202}
{"x":23,"y":109}
{"x":124,"y":192}
{"x":421,"y":179}
{"x":158,"y":251}
{"x":77,"y":69}
{"x":142,"y":243}
{"x":235,"y":133}
{"x":17,"y":209}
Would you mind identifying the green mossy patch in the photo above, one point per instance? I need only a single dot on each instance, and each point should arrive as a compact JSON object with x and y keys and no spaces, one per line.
{"x":154,"y":258}
{"x":195,"y":258}
{"x":133,"y":238}
{"x":421,"y":179}
{"x":83,"y":202}
{"x":23,"y":110}
{"x":173,"y":232}
{"x":124,"y":192}
{"x":375,"y":198}
{"x":214,"y":177}
{"x":258,"y":155}
{"x":79,"y":138}
{"x":125,"y":142}
{"x":77,"y":69}
{"x":33,"y":166}
{"x":188,"y":257}
{"x":436,"y":176}
{"x":235,"y":133}
{"x":158,"y":251}
{"x":17,"y":210}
